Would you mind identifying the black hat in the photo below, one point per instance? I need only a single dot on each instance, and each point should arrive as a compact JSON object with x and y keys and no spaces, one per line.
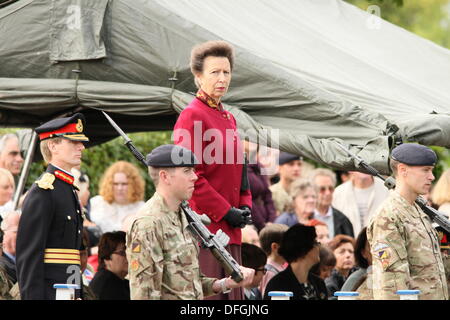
{"x":70,"y":128}
{"x":297,"y":241}
{"x":414,"y":154}
{"x":170,"y":155}
{"x":286,"y":157}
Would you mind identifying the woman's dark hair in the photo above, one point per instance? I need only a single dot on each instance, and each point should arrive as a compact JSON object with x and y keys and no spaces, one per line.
{"x":327,"y":259}
{"x":297,"y":241}
{"x":360,"y":246}
{"x":252,"y":256}
{"x":107,"y":245}
{"x":210,"y":48}
{"x":269,"y":234}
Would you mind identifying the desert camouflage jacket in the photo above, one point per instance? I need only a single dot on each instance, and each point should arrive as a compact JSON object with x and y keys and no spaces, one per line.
{"x":405,"y":252}
{"x":163,"y":256}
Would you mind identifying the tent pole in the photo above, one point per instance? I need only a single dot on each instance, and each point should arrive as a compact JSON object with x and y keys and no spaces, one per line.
{"x":25,"y":170}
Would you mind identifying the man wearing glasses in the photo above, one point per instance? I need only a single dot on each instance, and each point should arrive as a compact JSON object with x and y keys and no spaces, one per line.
{"x":324,"y":181}
{"x":10,"y":157}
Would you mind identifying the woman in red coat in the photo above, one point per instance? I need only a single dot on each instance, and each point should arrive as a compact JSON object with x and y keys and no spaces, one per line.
{"x":211,"y":133}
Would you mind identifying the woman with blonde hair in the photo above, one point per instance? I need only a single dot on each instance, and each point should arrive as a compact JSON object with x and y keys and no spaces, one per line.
{"x":304,"y":200}
{"x":7,"y":187}
{"x":441,"y":192}
{"x":121,"y":194}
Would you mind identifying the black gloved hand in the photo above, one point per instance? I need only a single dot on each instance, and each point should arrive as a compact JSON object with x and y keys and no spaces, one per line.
{"x":247,"y":213}
{"x":235,"y":218}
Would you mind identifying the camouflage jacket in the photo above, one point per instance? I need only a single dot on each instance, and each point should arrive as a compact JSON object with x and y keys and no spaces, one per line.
{"x":5,"y":285}
{"x":405,"y":252}
{"x":365,"y":288}
{"x":163,"y":256}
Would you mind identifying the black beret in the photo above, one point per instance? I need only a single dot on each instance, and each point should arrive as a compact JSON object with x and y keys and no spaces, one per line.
{"x":414,"y":154}
{"x":286,"y":157}
{"x":70,"y":128}
{"x":170,"y":155}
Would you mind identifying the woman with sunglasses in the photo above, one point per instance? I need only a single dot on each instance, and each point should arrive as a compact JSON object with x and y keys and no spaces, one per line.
{"x":109,"y":282}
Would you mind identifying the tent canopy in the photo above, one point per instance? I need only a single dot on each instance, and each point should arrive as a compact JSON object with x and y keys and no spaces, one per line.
{"x":316,"y":71}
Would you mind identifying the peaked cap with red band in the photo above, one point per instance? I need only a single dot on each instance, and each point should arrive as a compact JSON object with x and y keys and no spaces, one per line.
{"x":70,"y":128}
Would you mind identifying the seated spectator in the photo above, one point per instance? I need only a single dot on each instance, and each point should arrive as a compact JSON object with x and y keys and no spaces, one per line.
{"x":300,"y":249}
{"x":86,"y":271}
{"x":343,"y":248}
{"x":255,"y":258}
{"x":250,"y":235}
{"x":321,"y":231}
{"x":304,"y":202}
{"x":324,"y":181}
{"x":361,"y":279}
{"x":326,"y":264}
{"x":263,"y":209}
{"x":290,"y":169}
{"x":270,"y":239}
{"x":8,"y":276}
{"x":109,"y":282}
{"x":121,"y":194}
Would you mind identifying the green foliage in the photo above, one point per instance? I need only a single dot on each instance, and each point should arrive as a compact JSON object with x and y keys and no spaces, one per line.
{"x":429,"y":19}
{"x":97,"y":159}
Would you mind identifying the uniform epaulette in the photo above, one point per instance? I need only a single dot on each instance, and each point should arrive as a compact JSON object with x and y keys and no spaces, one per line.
{"x":46,"y":181}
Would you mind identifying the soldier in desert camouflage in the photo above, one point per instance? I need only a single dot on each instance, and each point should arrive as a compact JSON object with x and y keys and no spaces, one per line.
{"x":162,"y":254}
{"x":404,"y":245}
{"x":5,"y":285}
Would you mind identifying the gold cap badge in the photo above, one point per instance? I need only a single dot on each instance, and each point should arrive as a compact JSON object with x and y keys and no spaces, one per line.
{"x":79,"y":126}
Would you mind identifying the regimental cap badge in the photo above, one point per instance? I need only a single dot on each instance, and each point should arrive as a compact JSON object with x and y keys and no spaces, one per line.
{"x":69,"y":128}
{"x":79,"y":126}
{"x":46,"y":181}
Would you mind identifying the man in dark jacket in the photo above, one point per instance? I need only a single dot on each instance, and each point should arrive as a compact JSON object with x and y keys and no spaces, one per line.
{"x":263,"y":209}
{"x":49,"y":237}
{"x":324,"y":180}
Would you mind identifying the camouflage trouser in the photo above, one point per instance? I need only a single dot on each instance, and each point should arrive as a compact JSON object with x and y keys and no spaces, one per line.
{"x":446,"y":260}
{"x":5,"y":285}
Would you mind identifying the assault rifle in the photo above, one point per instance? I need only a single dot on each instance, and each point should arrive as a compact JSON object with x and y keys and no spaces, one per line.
{"x":389,"y":182}
{"x":214,"y":242}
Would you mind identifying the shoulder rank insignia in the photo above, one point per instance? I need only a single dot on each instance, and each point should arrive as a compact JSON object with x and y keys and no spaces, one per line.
{"x":46,"y":181}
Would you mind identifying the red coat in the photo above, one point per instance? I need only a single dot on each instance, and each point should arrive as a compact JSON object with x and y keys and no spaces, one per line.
{"x":220,"y":170}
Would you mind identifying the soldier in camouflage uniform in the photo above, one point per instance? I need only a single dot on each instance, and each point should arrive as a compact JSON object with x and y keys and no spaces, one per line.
{"x":404,"y":245}
{"x":290,"y":170}
{"x":162,"y":253}
{"x":5,"y":285}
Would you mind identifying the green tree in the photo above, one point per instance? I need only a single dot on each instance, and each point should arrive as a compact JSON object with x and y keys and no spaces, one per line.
{"x":97,"y":159}
{"x":429,"y":19}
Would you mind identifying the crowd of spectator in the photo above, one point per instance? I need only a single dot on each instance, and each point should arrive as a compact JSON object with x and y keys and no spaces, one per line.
{"x":302,"y":237}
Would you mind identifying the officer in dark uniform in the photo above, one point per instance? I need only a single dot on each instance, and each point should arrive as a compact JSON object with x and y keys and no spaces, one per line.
{"x":50,"y":230}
